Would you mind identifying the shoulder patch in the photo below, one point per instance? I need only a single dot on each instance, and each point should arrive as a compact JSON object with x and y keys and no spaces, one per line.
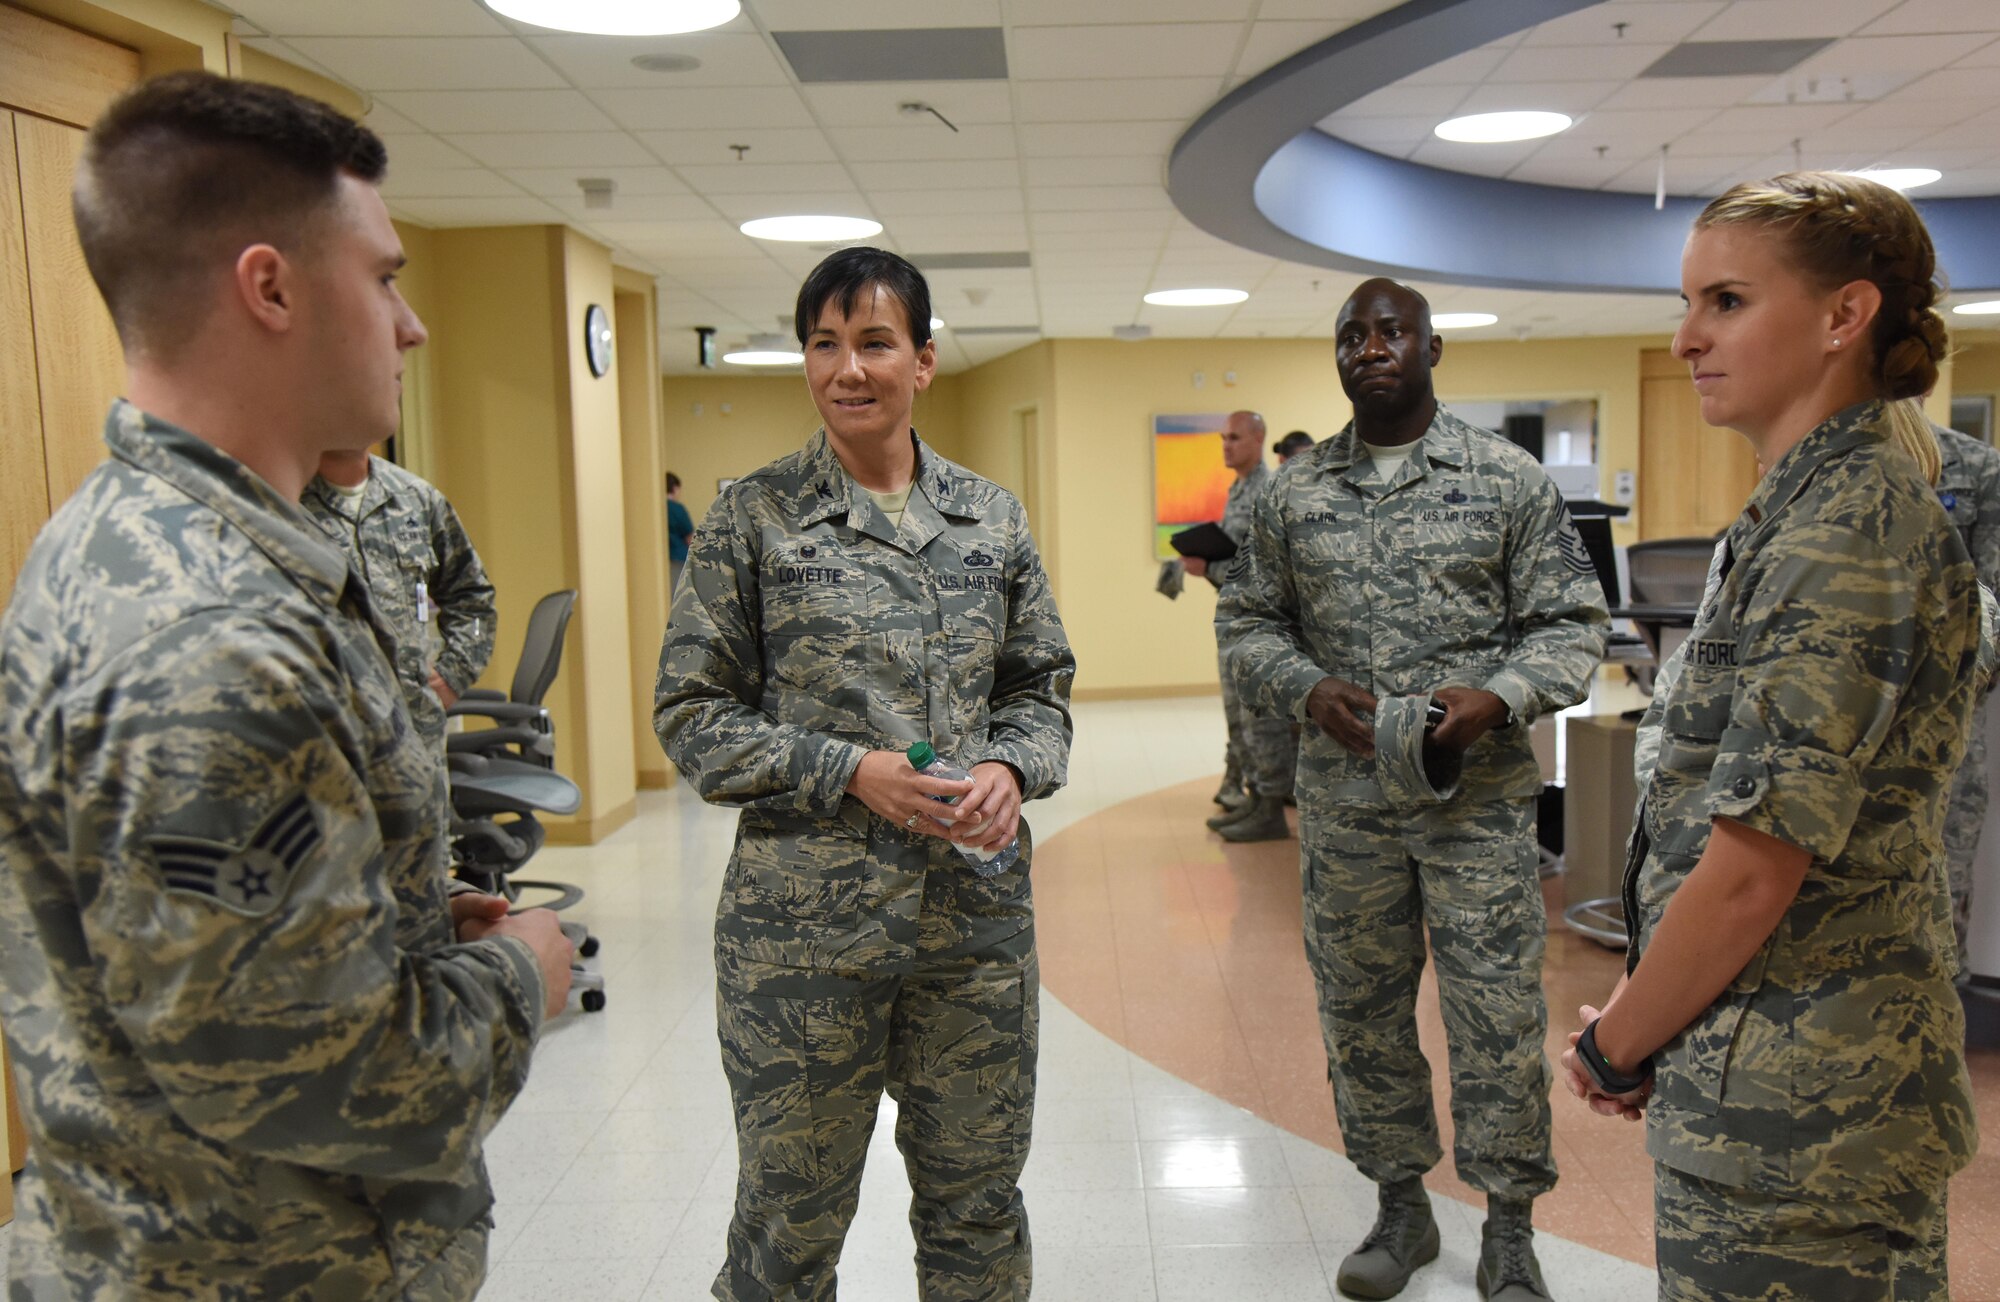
{"x":251,"y":878}
{"x":1574,"y":553}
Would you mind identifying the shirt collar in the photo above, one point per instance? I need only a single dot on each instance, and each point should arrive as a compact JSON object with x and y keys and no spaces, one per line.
{"x":280,"y":529}
{"x":1445,"y":442}
{"x":1853,"y":427}
{"x":830,"y":491}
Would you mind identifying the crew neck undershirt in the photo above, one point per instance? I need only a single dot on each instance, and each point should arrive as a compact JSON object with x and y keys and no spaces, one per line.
{"x":892,"y":504}
{"x":1388,"y":460}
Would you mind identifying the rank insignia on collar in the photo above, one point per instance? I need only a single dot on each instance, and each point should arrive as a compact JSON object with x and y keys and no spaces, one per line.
{"x":251,"y":878}
{"x":1456,"y":498}
{"x":944,"y":486}
{"x":825,"y":490}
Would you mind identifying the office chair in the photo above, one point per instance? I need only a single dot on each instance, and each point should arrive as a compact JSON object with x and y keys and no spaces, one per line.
{"x":521,"y":726}
{"x":502,"y":776}
{"x":1666,"y":577}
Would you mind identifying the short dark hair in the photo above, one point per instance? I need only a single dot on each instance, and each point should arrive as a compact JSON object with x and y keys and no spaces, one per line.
{"x":187,"y":169}
{"x":673,"y":481}
{"x":842,"y":276}
{"x":1294,"y":443}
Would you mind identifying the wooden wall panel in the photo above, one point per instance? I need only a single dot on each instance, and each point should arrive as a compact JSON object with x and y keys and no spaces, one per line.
{"x":76,"y":350}
{"x":1693,"y":477}
{"x":57,"y":72}
{"x":24,"y":481}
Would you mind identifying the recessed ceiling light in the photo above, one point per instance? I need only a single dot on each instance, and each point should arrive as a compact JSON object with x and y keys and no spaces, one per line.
{"x":619,"y":17}
{"x":937,"y":323}
{"x":1461,"y":320}
{"x":1985,"y":307}
{"x":810,"y":230}
{"x":1499,"y":128}
{"x":766,"y":350}
{"x":1900,"y":178}
{"x":1195,"y":297}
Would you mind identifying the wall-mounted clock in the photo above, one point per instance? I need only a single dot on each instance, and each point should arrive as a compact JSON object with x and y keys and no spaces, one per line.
{"x":597,"y":339}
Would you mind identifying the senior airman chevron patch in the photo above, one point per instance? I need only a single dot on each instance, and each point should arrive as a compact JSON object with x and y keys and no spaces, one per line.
{"x":251,"y":878}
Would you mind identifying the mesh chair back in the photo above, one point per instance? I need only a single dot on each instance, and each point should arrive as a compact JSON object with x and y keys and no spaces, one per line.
{"x":541,"y":653}
{"x":1669,"y":571}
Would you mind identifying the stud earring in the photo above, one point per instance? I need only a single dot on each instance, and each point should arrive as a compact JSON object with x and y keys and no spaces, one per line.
{"x":1836,"y":343}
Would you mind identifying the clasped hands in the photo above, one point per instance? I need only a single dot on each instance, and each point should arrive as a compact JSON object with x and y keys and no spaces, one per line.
{"x":1631,"y":1106}
{"x":987,"y":814}
{"x":1337,"y":705}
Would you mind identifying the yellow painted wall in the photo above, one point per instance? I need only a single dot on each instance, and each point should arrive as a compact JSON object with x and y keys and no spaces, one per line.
{"x":768,"y":416}
{"x":1975,"y":365}
{"x":991,"y":402}
{"x":636,"y":321}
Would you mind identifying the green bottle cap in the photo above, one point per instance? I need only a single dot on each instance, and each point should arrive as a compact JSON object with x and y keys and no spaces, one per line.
{"x":921,"y":755}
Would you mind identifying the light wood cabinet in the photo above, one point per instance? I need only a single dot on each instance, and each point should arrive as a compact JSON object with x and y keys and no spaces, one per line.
{"x":1693,"y":477}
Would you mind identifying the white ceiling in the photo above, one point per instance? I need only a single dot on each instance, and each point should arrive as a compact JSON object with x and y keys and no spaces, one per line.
{"x":491,"y":122}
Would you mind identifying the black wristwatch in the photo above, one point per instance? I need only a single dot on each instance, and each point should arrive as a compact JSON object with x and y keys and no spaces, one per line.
{"x":1602,"y":1074}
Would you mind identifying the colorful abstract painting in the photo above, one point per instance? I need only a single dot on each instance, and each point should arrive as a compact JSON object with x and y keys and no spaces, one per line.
{"x":1190,"y":482}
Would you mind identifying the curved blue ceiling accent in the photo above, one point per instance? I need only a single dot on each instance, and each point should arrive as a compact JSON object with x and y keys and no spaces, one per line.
{"x":1253,"y":170}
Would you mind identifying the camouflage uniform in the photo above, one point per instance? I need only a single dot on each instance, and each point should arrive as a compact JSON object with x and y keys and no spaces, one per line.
{"x":403,"y":536}
{"x":1969,"y":488}
{"x":1261,"y":748}
{"x":1805,"y":1125}
{"x":1462,"y":570}
{"x":253,"y":1062}
{"x":851,"y":953}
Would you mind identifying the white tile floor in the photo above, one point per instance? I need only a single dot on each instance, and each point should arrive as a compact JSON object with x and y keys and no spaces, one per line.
{"x":615,"y":1169}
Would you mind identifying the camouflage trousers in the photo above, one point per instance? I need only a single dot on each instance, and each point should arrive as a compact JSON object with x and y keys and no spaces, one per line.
{"x":1963,"y":820}
{"x":1720,"y":1243}
{"x":1375,"y":881}
{"x":808,"y":1054}
{"x":1263,"y":749}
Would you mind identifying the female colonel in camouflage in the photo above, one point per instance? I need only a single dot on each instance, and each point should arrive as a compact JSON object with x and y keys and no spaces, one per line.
{"x":1787,"y":1024}
{"x":840,"y":604}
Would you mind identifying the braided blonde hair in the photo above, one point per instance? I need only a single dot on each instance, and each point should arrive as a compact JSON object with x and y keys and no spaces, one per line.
{"x":1838,"y":229}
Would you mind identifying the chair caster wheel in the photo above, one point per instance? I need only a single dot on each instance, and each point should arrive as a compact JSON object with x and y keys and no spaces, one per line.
{"x":588,"y":949}
{"x":593,"y":1001}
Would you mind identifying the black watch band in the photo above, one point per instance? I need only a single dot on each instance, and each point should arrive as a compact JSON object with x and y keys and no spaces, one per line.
{"x":1602,"y":1074}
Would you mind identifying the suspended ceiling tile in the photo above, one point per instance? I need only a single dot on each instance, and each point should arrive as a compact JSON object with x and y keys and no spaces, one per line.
{"x":1554,"y":63}
{"x":447,"y":183}
{"x":831,"y":202}
{"x":1572,"y":97}
{"x":766,"y":145}
{"x":1939,"y":16}
{"x":1398,"y":101}
{"x":1482,"y":160}
{"x":1466,"y":69}
{"x":553,"y":149}
{"x":1764,"y":20}
{"x":895,"y":54}
{"x":696,"y":109}
{"x":1272,"y":43}
{"x":816,"y":15}
{"x":1121,"y":169}
{"x":970,"y":174}
{"x":605,"y":62}
{"x":370,"y":18}
{"x":637,"y":207}
{"x":453,"y":112}
{"x":880,"y":144}
{"x":424,"y":151}
{"x":1060,"y":224}
{"x":1124,"y":51}
{"x":765,"y":178}
{"x":1986,"y":56}
{"x":435,"y":63}
{"x":519,"y":211}
{"x":965,"y":103}
{"x":1072,"y":198}
{"x":1118,"y":101}
{"x":1710,"y":93}
{"x":384,"y":121}
{"x":1667,"y":23}
{"x":560,"y":182}
{"x":932,"y":202}
{"x":1068,"y":140}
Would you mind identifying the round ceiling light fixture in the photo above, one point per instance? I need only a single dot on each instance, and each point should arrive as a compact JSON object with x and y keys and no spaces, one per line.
{"x":1985,"y":307}
{"x":1196,"y":297}
{"x":1500,"y":128}
{"x":810,"y":230}
{"x":766,"y":350}
{"x":1461,"y":320}
{"x":1900,"y":179}
{"x":619,"y":17}
{"x":937,"y":323}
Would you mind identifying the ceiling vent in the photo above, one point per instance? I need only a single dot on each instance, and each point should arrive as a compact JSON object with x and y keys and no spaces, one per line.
{"x":1735,"y":58}
{"x":897,"y":54}
{"x":969,"y":261}
{"x":1132,"y":333}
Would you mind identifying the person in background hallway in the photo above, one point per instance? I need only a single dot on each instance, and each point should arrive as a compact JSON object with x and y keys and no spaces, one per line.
{"x":1291,"y":445}
{"x":258,"y":1050}
{"x":1969,"y":488}
{"x":1260,"y":751}
{"x":842,"y":603}
{"x":1787,"y":1026}
{"x":1413,"y":559}
{"x":680,"y":528}
{"x":402,"y":535}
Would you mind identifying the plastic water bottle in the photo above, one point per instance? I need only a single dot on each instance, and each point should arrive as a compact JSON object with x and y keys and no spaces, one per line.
{"x":987,"y":863}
